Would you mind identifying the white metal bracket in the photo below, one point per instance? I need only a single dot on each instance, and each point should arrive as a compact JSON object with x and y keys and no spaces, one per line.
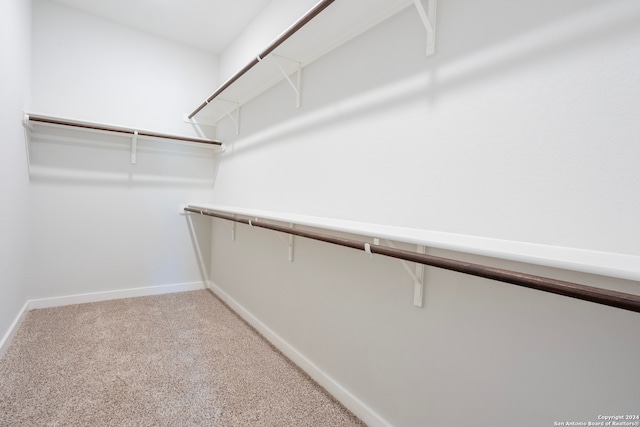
{"x":428,"y":17}
{"x":27,"y":140}
{"x":235,"y":119}
{"x":295,"y":86}
{"x":26,"y":123}
{"x":417,"y":275}
{"x":289,"y":242}
{"x":197,"y":123}
{"x":418,"y":287}
{"x":134,"y":147}
{"x":233,"y":229}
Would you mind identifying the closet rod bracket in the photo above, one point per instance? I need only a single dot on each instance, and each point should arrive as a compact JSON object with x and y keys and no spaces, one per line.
{"x":290,"y":244}
{"x":134,"y":148}
{"x":428,"y":18}
{"x":287,"y":241}
{"x":236,"y":119}
{"x":417,"y":275}
{"x":197,"y":123}
{"x":278,"y":60}
{"x":27,"y":140}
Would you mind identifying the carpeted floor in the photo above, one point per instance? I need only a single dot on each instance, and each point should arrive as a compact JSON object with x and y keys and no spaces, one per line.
{"x":180,"y":359}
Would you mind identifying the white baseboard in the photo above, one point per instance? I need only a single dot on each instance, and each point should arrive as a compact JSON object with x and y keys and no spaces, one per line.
{"x":6,"y":339}
{"x":92,"y":297}
{"x":355,"y":405}
{"x":109,"y":295}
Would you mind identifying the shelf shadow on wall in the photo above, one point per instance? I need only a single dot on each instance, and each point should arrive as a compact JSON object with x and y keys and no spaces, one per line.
{"x":200,"y":225}
{"x":73,"y":156}
{"x":386,"y":67}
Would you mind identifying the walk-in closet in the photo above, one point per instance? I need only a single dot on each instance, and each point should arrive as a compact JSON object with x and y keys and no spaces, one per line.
{"x":319,"y":213}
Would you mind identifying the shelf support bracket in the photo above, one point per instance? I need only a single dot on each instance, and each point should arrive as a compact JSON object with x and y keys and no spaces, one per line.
{"x":134,"y":148}
{"x":27,"y":140}
{"x":235,"y":119}
{"x":418,"y":286}
{"x":295,"y":86}
{"x":290,"y":244}
{"x":428,"y":17}
{"x":417,"y":275}
{"x":233,"y":229}
{"x":287,"y":241}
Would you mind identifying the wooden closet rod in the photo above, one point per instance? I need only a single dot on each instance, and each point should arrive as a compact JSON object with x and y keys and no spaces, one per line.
{"x":315,"y":11}
{"x":574,"y":290}
{"x":116,"y":129}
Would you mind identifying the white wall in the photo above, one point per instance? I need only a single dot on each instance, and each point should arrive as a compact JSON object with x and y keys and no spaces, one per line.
{"x":92,"y":69}
{"x":15,"y":43}
{"x":520,"y":128}
{"x":272,"y":21}
{"x":525,"y":125}
{"x":101,"y":223}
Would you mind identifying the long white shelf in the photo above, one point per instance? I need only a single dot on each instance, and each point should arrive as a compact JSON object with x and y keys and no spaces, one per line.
{"x":607,"y":264}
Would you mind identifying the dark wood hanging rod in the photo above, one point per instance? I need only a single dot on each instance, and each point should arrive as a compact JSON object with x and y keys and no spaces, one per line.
{"x":574,"y":290}
{"x":117,"y":129}
{"x":315,"y":11}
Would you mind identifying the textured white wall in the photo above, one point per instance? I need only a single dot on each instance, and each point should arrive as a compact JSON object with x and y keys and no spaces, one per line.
{"x":92,"y":69}
{"x":272,"y":21}
{"x":520,"y":133}
{"x":101,"y":223}
{"x":15,"y":62}
{"x":520,"y":128}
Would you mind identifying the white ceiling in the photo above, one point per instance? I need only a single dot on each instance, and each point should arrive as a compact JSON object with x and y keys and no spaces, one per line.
{"x":210,"y":25}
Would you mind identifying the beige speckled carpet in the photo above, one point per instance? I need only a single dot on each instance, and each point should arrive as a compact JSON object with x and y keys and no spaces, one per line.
{"x":180,"y":359}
